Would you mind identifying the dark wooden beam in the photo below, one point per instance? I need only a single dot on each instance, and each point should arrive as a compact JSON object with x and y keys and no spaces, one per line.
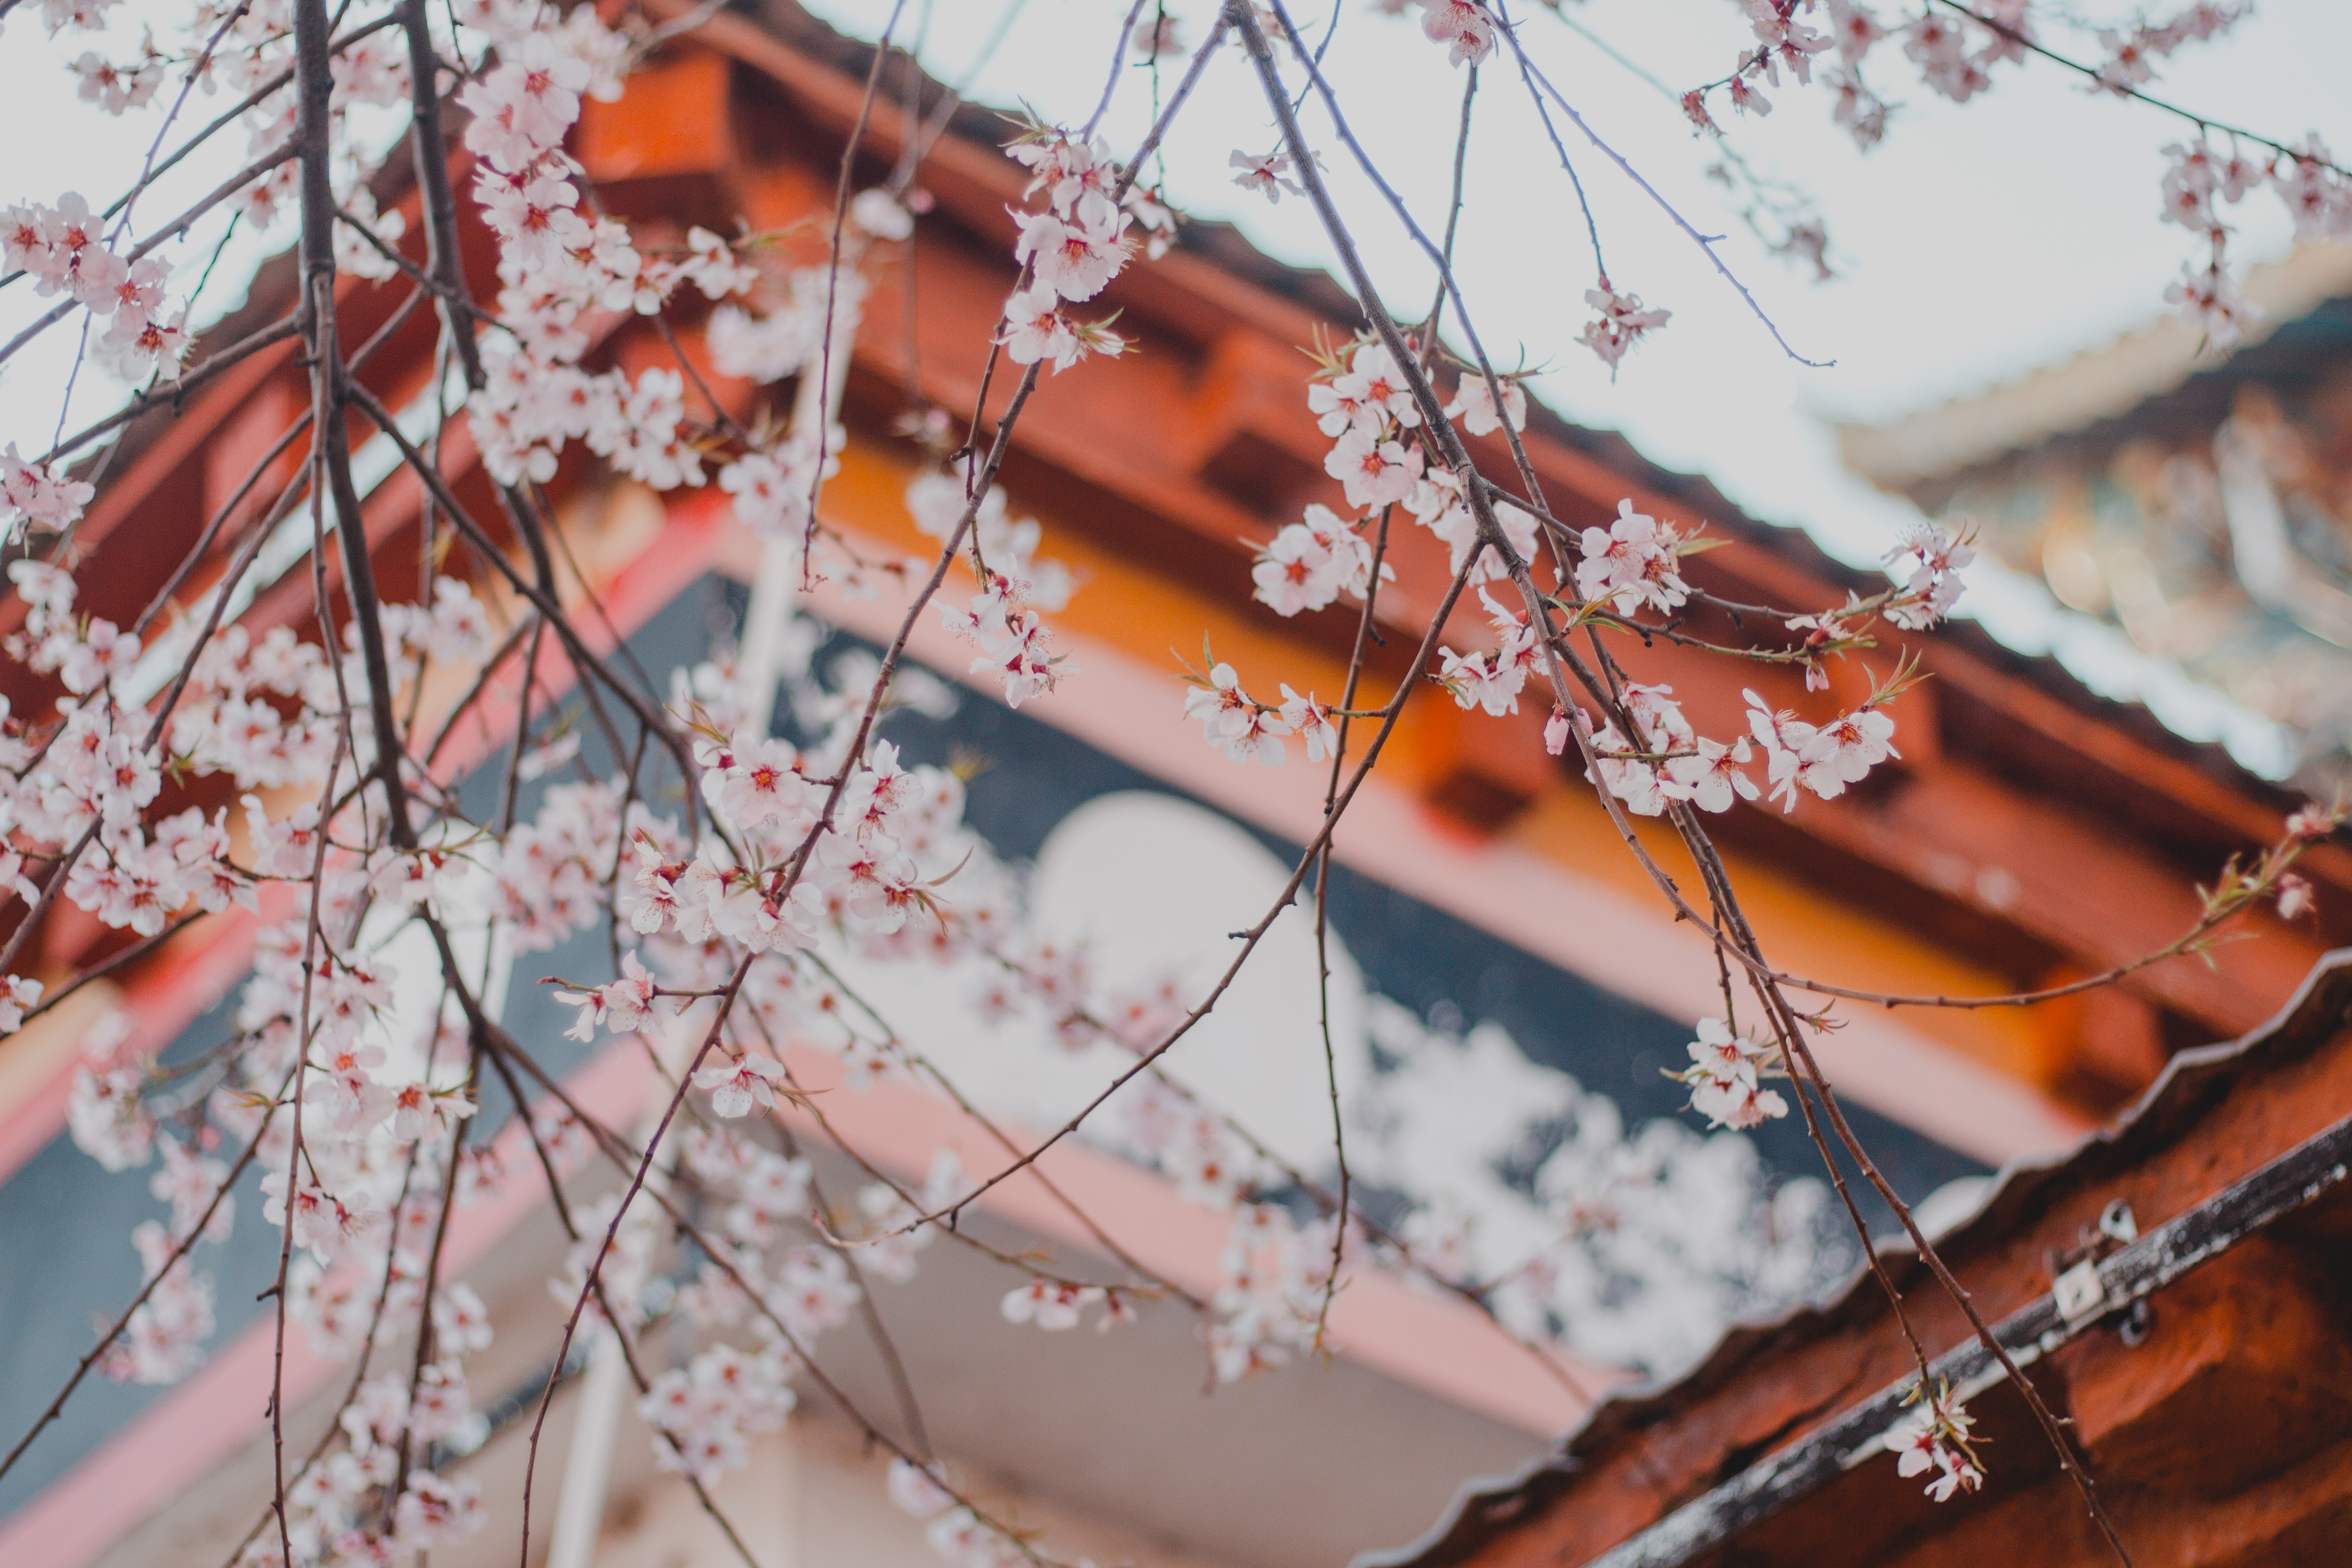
{"x":2135,"y":1272}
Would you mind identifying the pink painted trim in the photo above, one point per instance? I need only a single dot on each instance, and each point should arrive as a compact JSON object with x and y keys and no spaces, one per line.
{"x":1422,"y":1339}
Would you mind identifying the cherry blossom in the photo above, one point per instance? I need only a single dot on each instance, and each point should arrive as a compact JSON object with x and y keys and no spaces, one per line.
{"x":1015,"y":644}
{"x":735,"y":1087}
{"x":522,"y":107}
{"x":1375,"y":473}
{"x":1934,"y":585}
{"x":424,"y":1113}
{"x":35,"y":496}
{"x":1854,"y":742}
{"x":813,"y":849}
{"x":1370,"y":394}
{"x":625,"y":1007}
{"x":1822,"y":759}
{"x":323,"y":1224}
{"x":1050,"y":1306}
{"x":759,"y":785}
{"x":1036,"y":329}
{"x":1933,"y":1440}
{"x":534,"y":215}
{"x":107,"y":1120}
{"x":1077,"y":176}
{"x":1458,"y":527}
{"x":118,"y":88}
{"x":1863,"y":114}
{"x":1631,"y":563}
{"x":1694,"y":107}
{"x":1263,"y":173}
{"x":707,"y":1412}
{"x":1711,"y":779}
{"x":1492,"y":681}
{"x":1311,"y":722}
{"x":18,"y":994}
{"x":1621,"y":321}
{"x":1074,"y":260}
{"x":1724,"y":1079}
{"x":1853,"y":27}
{"x":1463,"y":25}
{"x":163,"y":1341}
{"x":2319,"y":200}
{"x":917,"y":1491}
{"x":881,"y":214}
{"x":1474,"y":404}
{"x":435,"y":1510}
{"x":2209,"y":301}
{"x":1259,"y":738}
{"x":1219,"y":704}
{"x":712,"y":266}
{"x":1309,"y":565}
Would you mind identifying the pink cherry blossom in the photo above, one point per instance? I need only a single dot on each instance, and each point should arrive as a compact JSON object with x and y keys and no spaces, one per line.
{"x":1263,"y":173}
{"x":1621,"y":321}
{"x":1631,"y":563}
{"x":735,"y":1087}
{"x":1474,"y":404}
{"x":1935,"y":1438}
{"x":1375,"y":473}
{"x":1724,"y":1079}
{"x":1311,"y":722}
{"x":1463,"y":25}
{"x":1050,"y":1306}
{"x":1074,"y":260}
{"x":1713,"y":778}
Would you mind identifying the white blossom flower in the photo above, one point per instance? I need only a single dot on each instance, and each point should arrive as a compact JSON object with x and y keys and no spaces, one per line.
{"x":735,"y":1087}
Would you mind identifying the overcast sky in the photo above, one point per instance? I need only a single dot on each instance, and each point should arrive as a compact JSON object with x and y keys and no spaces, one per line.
{"x":1980,"y":242}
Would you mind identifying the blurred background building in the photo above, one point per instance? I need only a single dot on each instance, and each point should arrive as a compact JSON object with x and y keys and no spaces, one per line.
{"x":2200,"y":500}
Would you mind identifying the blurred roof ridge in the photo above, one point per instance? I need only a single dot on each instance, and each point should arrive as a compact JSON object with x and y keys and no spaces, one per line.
{"x":2094,"y":385}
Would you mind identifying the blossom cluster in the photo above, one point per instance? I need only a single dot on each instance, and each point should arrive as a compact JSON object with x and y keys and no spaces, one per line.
{"x":1632,"y":564}
{"x":1309,"y":565}
{"x":1725,"y":1079}
{"x":1363,"y":400}
{"x":1493,"y":680}
{"x":1933,"y":1440}
{"x":955,"y":1529}
{"x":361,"y":1210}
{"x":1072,"y":249}
{"x":1273,"y":1273}
{"x":1955,"y":51}
{"x":1619,"y":323}
{"x":1249,"y":729}
{"x":65,"y":250}
{"x":567,"y":275}
{"x":1006,"y":620}
{"x":705,"y":1412}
